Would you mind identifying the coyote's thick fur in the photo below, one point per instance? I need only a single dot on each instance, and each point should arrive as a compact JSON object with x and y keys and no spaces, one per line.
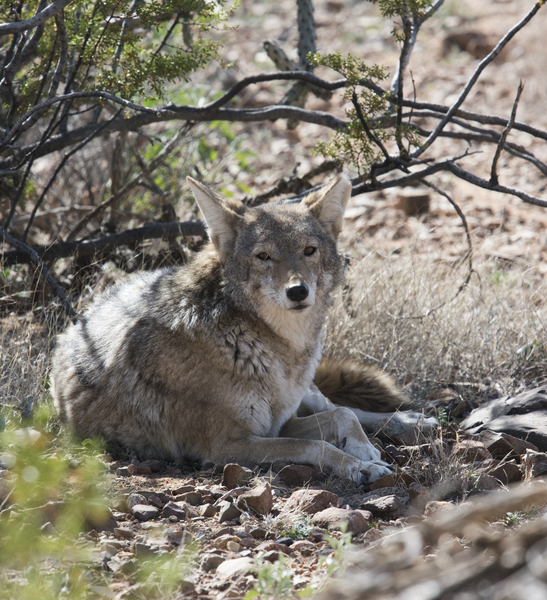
{"x":215,"y":359}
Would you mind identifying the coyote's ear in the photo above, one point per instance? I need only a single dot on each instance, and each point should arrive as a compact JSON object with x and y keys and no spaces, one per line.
{"x":221,"y":215}
{"x":329,"y":203}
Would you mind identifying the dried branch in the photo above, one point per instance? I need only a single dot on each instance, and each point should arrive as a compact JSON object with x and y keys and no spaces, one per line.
{"x":31,"y":255}
{"x":103,"y":244}
{"x":471,"y":82}
{"x":58,"y":169}
{"x":292,"y":184}
{"x":503,"y":136}
{"x":156,"y":162}
{"x":38,"y":19}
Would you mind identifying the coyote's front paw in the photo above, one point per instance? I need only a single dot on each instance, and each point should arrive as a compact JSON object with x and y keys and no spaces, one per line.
{"x":363,"y":471}
{"x":363,"y":450}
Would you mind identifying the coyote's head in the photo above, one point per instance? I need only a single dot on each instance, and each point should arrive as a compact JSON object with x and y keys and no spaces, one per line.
{"x":279,"y":259}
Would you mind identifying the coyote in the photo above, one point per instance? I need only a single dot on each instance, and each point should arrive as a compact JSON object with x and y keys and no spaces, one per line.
{"x":216,"y":360}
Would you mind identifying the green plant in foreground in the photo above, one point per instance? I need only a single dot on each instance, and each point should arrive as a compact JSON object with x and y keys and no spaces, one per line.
{"x":274,"y":580}
{"x":50,"y":489}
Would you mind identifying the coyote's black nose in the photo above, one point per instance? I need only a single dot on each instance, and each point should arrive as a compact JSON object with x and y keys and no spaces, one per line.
{"x":297,"y":293}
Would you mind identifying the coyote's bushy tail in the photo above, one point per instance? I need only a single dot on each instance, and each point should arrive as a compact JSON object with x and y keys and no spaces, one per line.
{"x":349,"y":383}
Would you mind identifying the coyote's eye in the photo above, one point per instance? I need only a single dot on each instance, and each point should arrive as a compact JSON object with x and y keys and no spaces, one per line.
{"x":263,"y":256}
{"x":309,"y":250}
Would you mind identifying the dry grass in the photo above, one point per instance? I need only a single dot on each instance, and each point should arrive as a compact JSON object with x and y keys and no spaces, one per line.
{"x":401,"y":312}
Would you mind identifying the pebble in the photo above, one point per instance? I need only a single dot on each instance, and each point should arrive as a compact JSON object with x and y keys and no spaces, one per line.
{"x":227,"y":512}
{"x":134,"y":499}
{"x":124,"y":533}
{"x":211,"y":561}
{"x":145,"y":512}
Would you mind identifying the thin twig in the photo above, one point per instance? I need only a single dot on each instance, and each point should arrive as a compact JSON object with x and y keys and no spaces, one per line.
{"x":365,"y":126}
{"x":156,"y":162}
{"x":493,"y":172}
{"x":469,"y":85}
{"x":403,"y":61}
{"x":58,"y":169}
{"x":43,"y":271}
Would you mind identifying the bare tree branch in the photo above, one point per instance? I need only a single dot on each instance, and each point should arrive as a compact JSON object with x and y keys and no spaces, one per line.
{"x":480,"y":68}
{"x":503,"y":136}
{"x":91,"y":247}
{"x":38,"y":19}
{"x":31,"y":255}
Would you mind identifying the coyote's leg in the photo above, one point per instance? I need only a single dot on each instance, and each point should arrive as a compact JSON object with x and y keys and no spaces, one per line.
{"x":339,"y":427}
{"x":319,"y":453}
{"x":405,"y":427}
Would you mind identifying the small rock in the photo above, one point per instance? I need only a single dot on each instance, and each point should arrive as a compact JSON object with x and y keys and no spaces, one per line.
{"x":503,"y":445}
{"x":48,"y":529}
{"x":311,"y":501}
{"x":134,"y":499}
{"x":228,"y":512}
{"x":271,"y":556}
{"x":506,"y":473}
{"x":470,"y":451}
{"x":232,"y":546}
{"x":207,"y":511}
{"x":211,"y":561}
{"x":340,"y":519}
{"x":385,"y":507}
{"x":268,"y":546}
{"x":396,"y":454}
{"x":297,"y":475}
{"x":101,"y":519}
{"x":285,"y":540}
{"x":124,"y":533}
{"x":172,"y":509}
{"x":259,"y":533}
{"x":235,"y":475}
{"x":154,"y":465}
{"x":235,"y":567}
{"x":316,"y":534}
{"x":125,"y":471}
{"x":304,"y":547}
{"x":145,"y":512}
{"x":392,"y":480}
{"x":436,"y":507}
{"x":143,"y":550}
{"x":178,"y":537}
{"x":155,"y":501}
{"x":222,"y":542}
{"x":183,"y":489}
{"x":193,"y":498}
{"x":534,"y":463}
{"x":259,"y":499}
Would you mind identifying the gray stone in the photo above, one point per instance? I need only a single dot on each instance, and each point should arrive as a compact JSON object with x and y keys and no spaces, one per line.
{"x":207,"y":511}
{"x":340,"y":519}
{"x":523,"y":416}
{"x":227,"y":512}
{"x":193,"y":498}
{"x":124,"y":533}
{"x":235,"y":567}
{"x":173,"y":509}
{"x":134,"y":499}
{"x":388,"y":507}
{"x":145,"y":512}
{"x":211,"y":561}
